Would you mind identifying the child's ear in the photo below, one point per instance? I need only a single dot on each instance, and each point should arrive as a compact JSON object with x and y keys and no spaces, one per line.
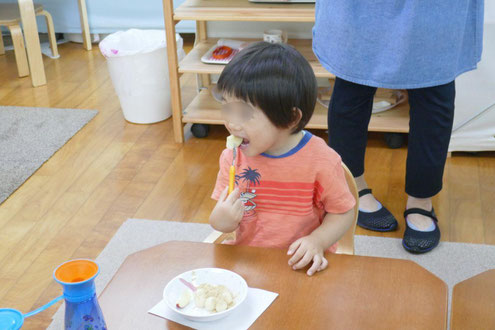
{"x":297,"y":117}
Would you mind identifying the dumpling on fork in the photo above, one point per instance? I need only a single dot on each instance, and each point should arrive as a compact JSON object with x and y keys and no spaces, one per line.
{"x":233,"y":142}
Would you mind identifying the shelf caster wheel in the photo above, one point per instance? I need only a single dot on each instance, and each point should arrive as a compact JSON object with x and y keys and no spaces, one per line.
{"x":394,"y":140}
{"x":200,"y":130}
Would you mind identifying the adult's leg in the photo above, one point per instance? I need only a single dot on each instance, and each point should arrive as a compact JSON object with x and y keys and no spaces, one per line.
{"x":349,"y":114}
{"x":430,"y":128}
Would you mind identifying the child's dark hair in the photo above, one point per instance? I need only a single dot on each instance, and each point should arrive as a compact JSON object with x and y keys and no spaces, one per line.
{"x":275,"y":78}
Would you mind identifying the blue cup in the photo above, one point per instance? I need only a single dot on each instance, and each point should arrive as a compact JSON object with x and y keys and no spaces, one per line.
{"x":82,"y":311}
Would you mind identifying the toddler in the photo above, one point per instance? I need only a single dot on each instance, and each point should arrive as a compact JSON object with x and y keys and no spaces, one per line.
{"x":290,"y":190}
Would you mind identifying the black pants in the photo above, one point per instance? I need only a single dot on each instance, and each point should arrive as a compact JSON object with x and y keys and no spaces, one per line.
{"x":430,"y":127}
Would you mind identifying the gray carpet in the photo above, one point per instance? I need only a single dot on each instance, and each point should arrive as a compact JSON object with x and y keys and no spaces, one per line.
{"x":452,"y":262}
{"x":29,"y":137}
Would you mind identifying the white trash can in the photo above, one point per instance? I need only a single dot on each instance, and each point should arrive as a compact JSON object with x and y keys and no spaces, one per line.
{"x":137,"y":61}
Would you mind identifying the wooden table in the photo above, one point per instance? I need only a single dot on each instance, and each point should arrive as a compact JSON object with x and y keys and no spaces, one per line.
{"x":33,"y":48}
{"x":473,"y":303}
{"x":353,"y":293}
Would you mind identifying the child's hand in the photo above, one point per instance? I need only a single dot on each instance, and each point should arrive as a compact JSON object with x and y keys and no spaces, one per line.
{"x":305,"y":250}
{"x":228,"y":212}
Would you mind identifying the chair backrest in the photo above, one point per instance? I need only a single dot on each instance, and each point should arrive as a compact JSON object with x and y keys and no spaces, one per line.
{"x":346,"y":243}
{"x":10,"y":14}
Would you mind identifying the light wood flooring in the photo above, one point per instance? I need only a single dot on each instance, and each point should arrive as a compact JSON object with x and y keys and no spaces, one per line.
{"x":113,"y":170}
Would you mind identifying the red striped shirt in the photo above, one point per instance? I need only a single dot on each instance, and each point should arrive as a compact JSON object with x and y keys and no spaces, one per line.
{"x":286,"y":198}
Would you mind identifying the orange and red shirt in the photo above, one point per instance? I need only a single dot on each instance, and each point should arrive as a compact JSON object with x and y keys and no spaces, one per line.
{"x":286,"y":197}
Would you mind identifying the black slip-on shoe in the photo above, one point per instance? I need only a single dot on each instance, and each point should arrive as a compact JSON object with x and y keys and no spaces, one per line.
{"x":380,"y":220}
{"x":416,"y":241}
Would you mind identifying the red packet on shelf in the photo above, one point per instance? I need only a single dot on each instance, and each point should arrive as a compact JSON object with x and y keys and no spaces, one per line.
{"x":223,"y":51}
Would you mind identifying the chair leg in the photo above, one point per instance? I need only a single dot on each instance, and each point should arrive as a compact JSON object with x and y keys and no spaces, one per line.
{"x":51,"y":32}
{"x":19,"y":50}
{"x":83,"y":13}
{"x":32,"y":39}
{"x":2,"y":47}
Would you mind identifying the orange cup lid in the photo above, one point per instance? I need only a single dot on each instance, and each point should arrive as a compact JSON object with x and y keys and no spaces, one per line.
{"x":76,"y":271}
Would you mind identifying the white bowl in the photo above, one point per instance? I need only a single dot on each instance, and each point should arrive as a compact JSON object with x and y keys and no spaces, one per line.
{"x":215,"y":276}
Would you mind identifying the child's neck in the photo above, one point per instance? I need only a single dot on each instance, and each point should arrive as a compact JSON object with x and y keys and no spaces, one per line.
{"x":286,"y":144}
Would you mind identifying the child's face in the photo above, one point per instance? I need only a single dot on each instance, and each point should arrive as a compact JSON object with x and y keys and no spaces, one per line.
{"x":250,"y":123}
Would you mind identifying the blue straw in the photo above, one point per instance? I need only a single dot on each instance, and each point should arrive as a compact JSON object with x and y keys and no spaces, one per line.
{"x":42,"y":308}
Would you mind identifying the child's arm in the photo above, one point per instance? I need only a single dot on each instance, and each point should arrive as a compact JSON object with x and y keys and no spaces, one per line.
{"x":312,"y":247}
{"x":228,"y":212}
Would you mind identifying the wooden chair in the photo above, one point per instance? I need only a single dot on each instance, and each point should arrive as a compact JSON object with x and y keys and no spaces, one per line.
{"x":346,"y":243}
{"x":11,"y":17}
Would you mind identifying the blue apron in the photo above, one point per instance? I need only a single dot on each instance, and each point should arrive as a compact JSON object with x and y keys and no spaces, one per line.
{"x":398,"y":44}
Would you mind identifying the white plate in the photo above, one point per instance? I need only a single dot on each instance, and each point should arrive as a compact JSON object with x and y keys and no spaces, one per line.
{"x":215,"y":276}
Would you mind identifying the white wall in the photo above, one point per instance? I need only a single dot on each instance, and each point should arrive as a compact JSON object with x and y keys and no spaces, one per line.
{"x":489,"y":11}
{"x":106,"y":16}
{"x":255,"y":29}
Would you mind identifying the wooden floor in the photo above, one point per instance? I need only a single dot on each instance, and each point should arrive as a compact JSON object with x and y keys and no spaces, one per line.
{"x":113,"y":170}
